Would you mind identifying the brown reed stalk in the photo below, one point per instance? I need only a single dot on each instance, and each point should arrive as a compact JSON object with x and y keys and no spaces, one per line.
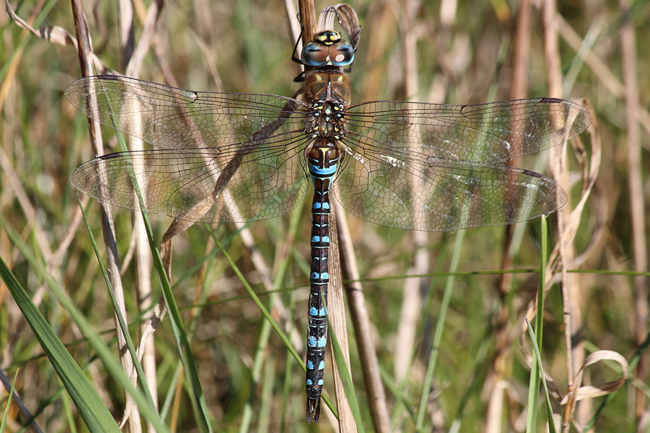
{"x":574,"y":352}
{"x":637,"y":197}
{"x":112,"y":261}
{"x":362,"y":329}
{"x":502,"y":369}
{"x":414,"y":288}
{"x":133,"y":56}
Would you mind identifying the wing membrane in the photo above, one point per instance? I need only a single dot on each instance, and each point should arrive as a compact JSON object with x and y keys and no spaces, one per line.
{"x":170,"y":118}
{"x":189,"y":184}
{"x":491,"y":133}
{"x":420,"y":192}
{"x":442,"y":167}
{"x":219,"y":156}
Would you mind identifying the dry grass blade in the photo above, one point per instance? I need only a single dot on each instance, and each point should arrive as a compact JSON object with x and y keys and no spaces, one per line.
{"x":336,"y":318}
{"x":592,"y":391}
{"x":411,"y":308}
{"x":154,"y":316}
{"x":589,"y":171}
{"x":361,"y":322}
{"x":56,"y":35}
{"x":637,"y":197}
{"x":84,"y":50}
{"x":146,"y":40}
{"x":571,"y":288}
{"x":605,"y":75}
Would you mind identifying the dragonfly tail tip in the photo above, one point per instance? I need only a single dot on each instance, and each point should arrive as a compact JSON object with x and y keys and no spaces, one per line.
{"x":313,"y":409}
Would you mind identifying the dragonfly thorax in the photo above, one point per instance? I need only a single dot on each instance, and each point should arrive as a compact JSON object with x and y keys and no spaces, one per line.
{"x":329,"y":95}
{"x":326,"y":121}
{"x":327,"y":86}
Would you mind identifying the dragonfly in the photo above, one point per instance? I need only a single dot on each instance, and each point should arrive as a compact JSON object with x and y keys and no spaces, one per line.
{"x":239,"y":157}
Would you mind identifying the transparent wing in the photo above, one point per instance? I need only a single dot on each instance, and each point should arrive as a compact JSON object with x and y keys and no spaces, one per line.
{"x":418,"y":193}
{"x":213,"y":184}
{"x":491,"y":133}
{"x":219,"y":157}
{"x":441,"y":167}
{"x":171,"y":118}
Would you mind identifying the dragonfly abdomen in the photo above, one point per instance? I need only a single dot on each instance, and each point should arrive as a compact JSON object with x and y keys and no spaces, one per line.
{"x":322,"y":159}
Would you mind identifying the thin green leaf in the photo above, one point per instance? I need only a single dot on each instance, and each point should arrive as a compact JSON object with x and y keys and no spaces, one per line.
{"x":267,"y":315}
{"x":5,"y":415}
{"x":346,"y":380}
{"x":533,"y":388}
{"x":197,"y":397}
{"x":538,"y":356}
{"x":118,"y":313}
{"x":91,"y":407}
{"x":440,"y":324}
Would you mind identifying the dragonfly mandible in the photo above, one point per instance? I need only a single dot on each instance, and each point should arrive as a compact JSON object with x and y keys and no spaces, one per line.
{"x":237,"y":157}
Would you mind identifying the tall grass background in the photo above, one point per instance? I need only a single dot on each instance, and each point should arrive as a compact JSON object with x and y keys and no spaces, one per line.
{"x":443,"y":52}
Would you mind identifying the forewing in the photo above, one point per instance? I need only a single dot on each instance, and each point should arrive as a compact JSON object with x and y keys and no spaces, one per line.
{"x":171,"y":118}
{"x":417,"y":191}
{"x":230,"y":183}
{"x":489,"y":133}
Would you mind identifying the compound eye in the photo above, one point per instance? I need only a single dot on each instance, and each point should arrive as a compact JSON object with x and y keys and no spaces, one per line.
{"x":341,"y":54}
{"x":314,"y":54}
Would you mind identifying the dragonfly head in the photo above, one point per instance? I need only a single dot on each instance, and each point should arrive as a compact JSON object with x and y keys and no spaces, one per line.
{"x":327,"y":49}
{"x":328,"y":37}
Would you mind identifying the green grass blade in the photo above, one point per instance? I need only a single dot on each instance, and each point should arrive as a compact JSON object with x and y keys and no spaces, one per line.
{"x":533,"y":388}
{"x":5,"y":415}
{"x":182,"y":341}
{"x":197,"y":397}
{"x":69,"y":413}
{"x":92,"y":409}
{"x":346,"y":380}
{"x":118,"y":313}
{"x":267,"y":315}
{"x":265,"y":332}
{"x":538,"y":356}
{"x":437,"y":336}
